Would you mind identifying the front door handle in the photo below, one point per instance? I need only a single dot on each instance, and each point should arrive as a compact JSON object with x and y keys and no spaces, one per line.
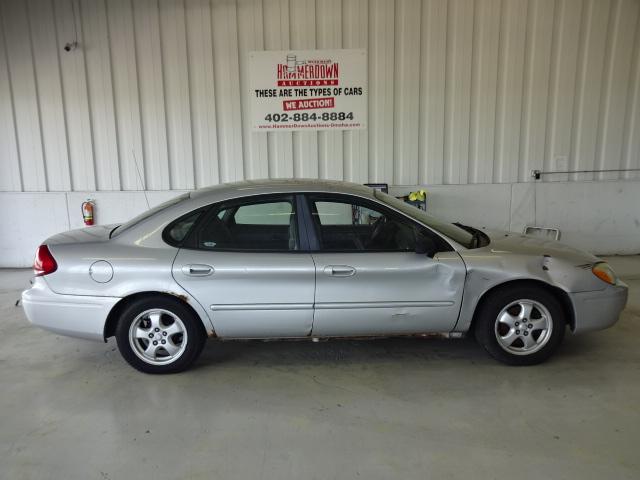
{"x":340,"y":270}
{"x":197,"y":270}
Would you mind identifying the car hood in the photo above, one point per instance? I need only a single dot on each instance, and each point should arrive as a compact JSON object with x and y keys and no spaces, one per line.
{"x":520,"y":244}
{"x":97,"y":233}
{"x":514,"y":256}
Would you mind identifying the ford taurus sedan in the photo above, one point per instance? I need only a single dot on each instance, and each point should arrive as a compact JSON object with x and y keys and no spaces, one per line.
{"x":308,"y":259}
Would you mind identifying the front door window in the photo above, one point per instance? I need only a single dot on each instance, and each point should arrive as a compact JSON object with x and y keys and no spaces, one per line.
{"x":344,"y":226}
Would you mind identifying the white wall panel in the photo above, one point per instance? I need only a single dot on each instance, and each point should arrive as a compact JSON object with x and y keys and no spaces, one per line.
{"x":623,"y":25}
{"x":433,"y":61}
{"x":303,"y":37}
{"x":329,"y":34}
{"x":632,"y":134}
{"x":459,"y":91}
{"x":356,"y":142}
{"x":406,"y":90}
{"x":584,"y":212}
{"x":152,"y":97}
{"x":26,"y":114}
{"x":75,"y":96}
{"x":18,"y":243}
{"x":538,"y":52}
{"x":562,"y":86}
{"x":509,"y":98}
{"x":125,"y":93}
{"x":595,"y":19}
{"x":9,"y":158}
{"x":95,"y":47}
{"x":251,"y":38}
{"x":381,"y":62}
{"x":484,"y":86}
{"x":203,"y":90}
{"x":175,"y":69}
{"x":276,"y":37}
{"x":47,"y":74}
{"x":226,"y":57}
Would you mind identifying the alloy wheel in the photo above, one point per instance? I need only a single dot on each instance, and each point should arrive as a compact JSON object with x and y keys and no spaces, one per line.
{"x":523,"y":327}
{"x":158,"y":336}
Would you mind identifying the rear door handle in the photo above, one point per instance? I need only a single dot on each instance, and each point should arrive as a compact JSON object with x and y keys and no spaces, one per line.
{"x":340,"y":270}
{"x":197,"y":270}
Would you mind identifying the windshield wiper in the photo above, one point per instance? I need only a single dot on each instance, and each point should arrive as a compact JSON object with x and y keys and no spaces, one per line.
{"x":476,"y":239}
{"x":476,"y":235}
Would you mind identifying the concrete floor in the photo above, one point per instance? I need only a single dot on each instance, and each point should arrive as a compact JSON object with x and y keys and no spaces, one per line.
{"x":71,"y":409}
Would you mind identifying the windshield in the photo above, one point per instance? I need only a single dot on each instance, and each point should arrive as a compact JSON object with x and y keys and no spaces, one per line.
{"x":143,"y":216}
{"x":450,"y":230}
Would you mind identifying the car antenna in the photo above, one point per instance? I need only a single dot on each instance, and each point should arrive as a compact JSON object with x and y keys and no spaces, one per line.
{"x":144,"y":187}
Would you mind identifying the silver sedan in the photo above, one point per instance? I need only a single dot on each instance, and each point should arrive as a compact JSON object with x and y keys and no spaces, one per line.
{"x":308,"y":259}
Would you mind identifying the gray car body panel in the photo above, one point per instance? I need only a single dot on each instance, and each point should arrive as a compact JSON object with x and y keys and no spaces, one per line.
{"x":453,"y":282}
{"x":394,"y":293}
{"x":137,"y":267}
{"x":252,"y":295}
{"x":510,"y":257}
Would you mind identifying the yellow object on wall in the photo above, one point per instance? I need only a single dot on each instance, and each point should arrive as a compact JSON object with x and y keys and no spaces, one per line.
{"x":418,"y":196}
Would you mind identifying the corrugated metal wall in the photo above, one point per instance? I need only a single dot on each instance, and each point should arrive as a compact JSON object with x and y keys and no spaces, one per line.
{"x":460,"y":91}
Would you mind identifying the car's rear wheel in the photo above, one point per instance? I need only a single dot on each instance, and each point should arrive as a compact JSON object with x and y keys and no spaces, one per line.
{"x":159,"y":335}
{"x":521,"y":325}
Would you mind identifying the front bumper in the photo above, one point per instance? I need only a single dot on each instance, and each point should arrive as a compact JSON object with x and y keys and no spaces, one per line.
{"x":600,"y":309}
{"x":72,"y":315}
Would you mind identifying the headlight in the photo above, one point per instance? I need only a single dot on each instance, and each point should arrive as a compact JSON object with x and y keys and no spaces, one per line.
{"x":605,"y":273}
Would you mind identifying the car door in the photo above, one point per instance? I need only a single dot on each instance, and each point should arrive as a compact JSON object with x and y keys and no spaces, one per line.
{"x":369,"y":278}
{"x":244,"y":263}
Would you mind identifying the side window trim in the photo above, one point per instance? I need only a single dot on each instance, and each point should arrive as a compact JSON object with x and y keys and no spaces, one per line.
{"x":312,"y":228}
{"x":305,"y":235}
{"x":307,"y":218}
{"x":190,"y":242}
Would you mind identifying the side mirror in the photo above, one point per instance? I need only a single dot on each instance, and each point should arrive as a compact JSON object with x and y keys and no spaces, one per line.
{"x":425,"y":245}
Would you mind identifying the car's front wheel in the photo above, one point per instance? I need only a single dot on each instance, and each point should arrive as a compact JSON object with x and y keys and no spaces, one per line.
{"x":159,"y":335}
{"x":520,"y":325}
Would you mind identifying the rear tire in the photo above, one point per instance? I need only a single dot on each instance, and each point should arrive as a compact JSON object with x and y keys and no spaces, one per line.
{"x":520,"y":325}
{"x":159,"y":335}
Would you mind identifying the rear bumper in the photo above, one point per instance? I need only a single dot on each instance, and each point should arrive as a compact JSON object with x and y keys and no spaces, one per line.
{"x":72,"y":315}
{"x":600,"y":309}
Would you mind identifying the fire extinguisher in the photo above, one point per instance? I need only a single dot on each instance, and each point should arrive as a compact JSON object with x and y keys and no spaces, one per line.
{"x":87,"y":211}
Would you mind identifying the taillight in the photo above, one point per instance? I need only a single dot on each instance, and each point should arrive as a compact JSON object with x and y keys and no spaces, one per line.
{"x":44,"y":263}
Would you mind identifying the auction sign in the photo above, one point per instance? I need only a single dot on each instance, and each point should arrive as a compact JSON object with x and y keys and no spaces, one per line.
{"x":308,"y":90}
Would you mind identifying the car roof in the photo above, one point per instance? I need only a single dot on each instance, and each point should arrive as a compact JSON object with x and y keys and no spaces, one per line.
{"x":147,"y":231}
{"x":258,"y":187}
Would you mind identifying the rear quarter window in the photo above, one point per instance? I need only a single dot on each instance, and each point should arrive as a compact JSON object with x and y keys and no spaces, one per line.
{"x":178,"y":230}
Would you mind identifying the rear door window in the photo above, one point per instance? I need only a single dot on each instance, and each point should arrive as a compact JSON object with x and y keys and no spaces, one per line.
{"x":251,"y":225}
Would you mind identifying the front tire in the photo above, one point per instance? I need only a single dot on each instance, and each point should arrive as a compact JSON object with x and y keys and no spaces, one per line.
{"x":159,"y":335}
{"x":521,"y":325}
